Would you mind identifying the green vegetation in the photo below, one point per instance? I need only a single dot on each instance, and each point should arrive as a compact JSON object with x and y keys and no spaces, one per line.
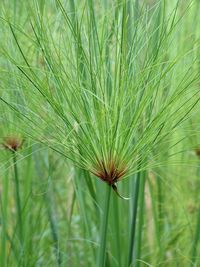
{"x":99,"y":133}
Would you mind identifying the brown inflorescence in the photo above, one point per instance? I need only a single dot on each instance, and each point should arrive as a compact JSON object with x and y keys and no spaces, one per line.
{"x":13,"y":143}
{"x":109,"y":173}
{"x":197,"y":151}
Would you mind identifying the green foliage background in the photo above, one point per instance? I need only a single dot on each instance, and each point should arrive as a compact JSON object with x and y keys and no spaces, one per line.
{"x":90,"y":86}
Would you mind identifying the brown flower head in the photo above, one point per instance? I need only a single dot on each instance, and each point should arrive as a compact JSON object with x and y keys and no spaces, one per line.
{"x":13,"y":143}
{"x":197,"y":151}
{"x":110,"y":173}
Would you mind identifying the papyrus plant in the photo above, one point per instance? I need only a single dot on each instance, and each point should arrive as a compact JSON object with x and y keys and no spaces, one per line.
{"x":95,"y":83}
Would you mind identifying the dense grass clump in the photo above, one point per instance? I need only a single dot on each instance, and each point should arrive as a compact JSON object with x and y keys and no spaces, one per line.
{"x":99,"y":100}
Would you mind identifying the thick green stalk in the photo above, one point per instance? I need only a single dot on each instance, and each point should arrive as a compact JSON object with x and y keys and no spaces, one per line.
{"x":197,"y":234}
{"x":196,"y":240}
{"x":17,"y":197}
{"x":134,"y":217}
{"x":81,"y":200}
{"x":159,"y":247}
{"x":161,"y":216}
{"x":116,"y":228}
{"x":160,"y":204}
{"x":140,"y":219}
{"x":103,"y":230}
{"x":4,"y":213}
{"x":51,"y":212}
{"x":53,"y":227}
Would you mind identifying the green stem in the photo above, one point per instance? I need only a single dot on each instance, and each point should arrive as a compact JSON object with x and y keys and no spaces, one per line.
{"x":134,"y":217}
{"x":17,"y":195}
{"x":54,"y":230}
{"x":4,"y":214}
{"x":140,"y":219}
{"x":196,"y":240}
{"x":103,"y":230}
{"x":116,"y":228}
{"x":197,"y":234}
{"x":159,"y":256}
{"x":161,"y":216}
{"x":80,"y":196}
{"x":160,"y":205}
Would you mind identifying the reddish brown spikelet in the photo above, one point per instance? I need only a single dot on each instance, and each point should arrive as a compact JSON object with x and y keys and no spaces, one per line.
{"x":13,"y":143}
{"x":197,"y":151}
{"x":109,"y":173}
